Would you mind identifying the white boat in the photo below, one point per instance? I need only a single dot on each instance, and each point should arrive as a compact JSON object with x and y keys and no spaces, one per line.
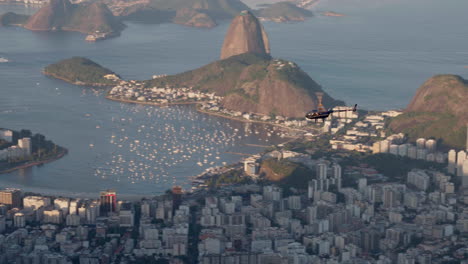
{"x":3,"y":60}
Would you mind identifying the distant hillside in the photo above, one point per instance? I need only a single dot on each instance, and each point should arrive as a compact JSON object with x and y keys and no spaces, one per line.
{"x":287,"y":173}
{"x":193,"y":18}
{"x":253,"y":83}
{"x":80,"y":71}
{"x":283,"y":12}
{"x":217,"y":9}
{"x":438,"y":110}
{"x":85,"y":18}
{"x":13,"y":19}
{"x":196,"y":13}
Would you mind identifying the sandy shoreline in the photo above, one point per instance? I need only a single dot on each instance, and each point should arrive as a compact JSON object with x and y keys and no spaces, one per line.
{"x":204,"y":112}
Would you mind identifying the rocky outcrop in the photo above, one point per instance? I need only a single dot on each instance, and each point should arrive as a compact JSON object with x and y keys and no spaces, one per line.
{"x":51,"y":17}
{"x":245,"y":35}
{"x":84,"y":18}
{"x":438,"y":110}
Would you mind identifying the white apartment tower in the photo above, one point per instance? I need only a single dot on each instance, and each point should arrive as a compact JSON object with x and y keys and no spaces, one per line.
{"x":421,"y":143}
{"x":465,"y":173}
{"x":452,"y":161}
{"x":461,"y":156}
{"x":322,"y":170}
{"x":431,"y":145}
{"x":384,"y":146}
{"x":25,"y":144}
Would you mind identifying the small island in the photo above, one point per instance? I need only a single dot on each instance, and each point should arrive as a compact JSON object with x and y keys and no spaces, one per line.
{"x":283,"y":12}
{"x":332,"y":14}
{"x":82,"y":71}
{"x":23,"y":149}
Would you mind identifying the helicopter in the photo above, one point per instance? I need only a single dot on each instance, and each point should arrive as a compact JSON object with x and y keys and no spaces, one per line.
{"x":322,"y":113}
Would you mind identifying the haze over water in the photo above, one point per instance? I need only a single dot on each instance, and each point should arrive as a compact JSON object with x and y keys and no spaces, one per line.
{"x":376,"y":56}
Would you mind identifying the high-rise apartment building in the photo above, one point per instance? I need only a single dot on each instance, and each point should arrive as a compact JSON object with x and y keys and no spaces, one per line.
{"x":321,"y":170}
{"x":26,"y":145}
{"x":108,"y":201}
{"x":11,"y":197}
{"x":452,"y":161}
{"x":465,"y":173}
{"x":461,"y":156}
{"x":421,"y":143}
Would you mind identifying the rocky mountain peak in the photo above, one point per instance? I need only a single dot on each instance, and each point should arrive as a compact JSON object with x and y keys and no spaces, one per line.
{"x":245,"y":34}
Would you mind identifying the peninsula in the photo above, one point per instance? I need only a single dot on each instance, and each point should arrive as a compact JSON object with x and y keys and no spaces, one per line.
{"x":23,"y":149}
{"x":82,"y":71}
{"x":246,"y":83}
{"x":248,"y":79}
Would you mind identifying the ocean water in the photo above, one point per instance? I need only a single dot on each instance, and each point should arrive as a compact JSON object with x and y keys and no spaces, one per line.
{"x":375,"y":56}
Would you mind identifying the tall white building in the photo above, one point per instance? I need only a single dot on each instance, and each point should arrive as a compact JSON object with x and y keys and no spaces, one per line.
{"x":465,"y":173}
{"x":431,"y":145}
{"x":53,"y":216}
{"x":272,"y":193}
{"x":403,"y":150}
{"x":19,"y":220}
{"x":421,"y":143}
{"x":376,"y":147}
{"x":419,"y":179}
{"x":384,"y":146}
{"x":322,"y":170}
{"x":337,"y":175}
{"x":62,"y":204}
{"x":362,"y":185}
{"x":92,"y":212}
{"x":394,"y":149}
{"x":336,"y":171}
{"x":6,"y":135}
{"x":461,"y":156}
{"x":412,"y":152}
{"x":73,"y":220}
{"x":34,"y":202}
{"x":452,"y":161}
{"x":74,"y":206}
{"x":25,"y":144}
{"x":311,"y":189}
